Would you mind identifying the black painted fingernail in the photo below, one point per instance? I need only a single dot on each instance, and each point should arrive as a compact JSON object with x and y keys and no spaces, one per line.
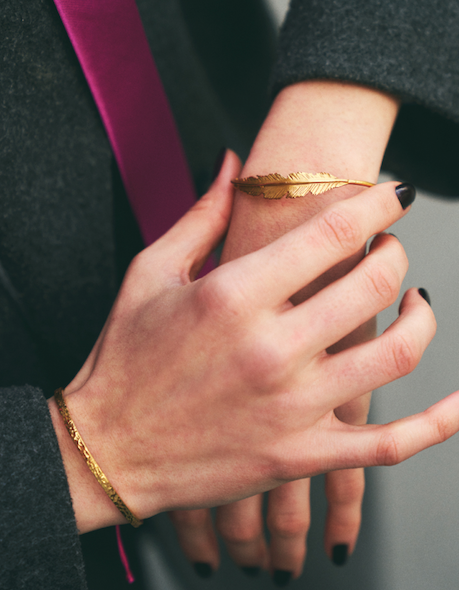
{"x":406,"y":193}
{"x":423,"y":293}
{"x":339,"y":554}
{"x":282,"y":577}
{"x":204,"y":570}
{"x":251,"y":571}
{"x":218,"y":163}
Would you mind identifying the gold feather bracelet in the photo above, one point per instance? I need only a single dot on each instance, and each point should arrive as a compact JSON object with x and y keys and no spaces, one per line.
{"x":296,"y":184}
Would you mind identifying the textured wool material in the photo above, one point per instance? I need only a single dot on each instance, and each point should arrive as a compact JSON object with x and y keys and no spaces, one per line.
{"x":30,"y":461}
{"x":407,"y":48}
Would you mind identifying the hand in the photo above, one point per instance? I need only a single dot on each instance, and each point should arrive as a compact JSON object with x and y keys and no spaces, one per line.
{"x":315,"y":125}
{"x":202,"y":393}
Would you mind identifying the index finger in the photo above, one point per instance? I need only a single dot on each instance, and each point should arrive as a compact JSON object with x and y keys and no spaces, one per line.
{"x":282,"y":268}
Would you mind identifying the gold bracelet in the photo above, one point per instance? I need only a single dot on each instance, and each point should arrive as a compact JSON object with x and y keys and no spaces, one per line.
{"x":296,"y":184}
{"x":92,"y":464}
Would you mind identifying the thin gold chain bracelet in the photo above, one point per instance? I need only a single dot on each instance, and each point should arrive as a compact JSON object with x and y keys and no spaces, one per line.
{"x":91,"y":462}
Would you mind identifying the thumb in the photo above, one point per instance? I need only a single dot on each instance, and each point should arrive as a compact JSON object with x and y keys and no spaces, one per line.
{"x":190,"y":241}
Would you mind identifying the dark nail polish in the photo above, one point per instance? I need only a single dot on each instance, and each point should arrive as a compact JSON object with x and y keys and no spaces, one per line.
{"x":339,"y":554}
{"x":423,"y":293}
{"x":406,"y":193}
{"x":393,"y":235}
{"x":204,"y":570}
{"x":251,"y":571}
{"x":282,"y":577}
{"x":218,"y":163}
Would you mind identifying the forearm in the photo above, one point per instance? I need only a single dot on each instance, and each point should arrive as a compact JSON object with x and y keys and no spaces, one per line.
{"x":316,"y":126}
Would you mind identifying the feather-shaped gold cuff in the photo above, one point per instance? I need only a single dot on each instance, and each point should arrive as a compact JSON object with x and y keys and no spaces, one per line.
{"x":296,"y":184}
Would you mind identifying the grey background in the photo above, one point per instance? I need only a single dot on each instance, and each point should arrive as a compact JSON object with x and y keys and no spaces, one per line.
{"x":410,"y":530}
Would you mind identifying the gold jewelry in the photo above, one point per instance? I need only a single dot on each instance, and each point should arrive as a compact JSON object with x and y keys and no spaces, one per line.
{"x":296,"y":184}
{"x":92,"y":464}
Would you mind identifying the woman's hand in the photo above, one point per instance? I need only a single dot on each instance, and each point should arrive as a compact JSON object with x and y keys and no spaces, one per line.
{"x":315,"y":125}
{"x":202,"y":393}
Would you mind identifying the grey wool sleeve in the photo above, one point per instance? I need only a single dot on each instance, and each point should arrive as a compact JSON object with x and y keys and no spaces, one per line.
{"x":409,"y":48}
{"x":39,"y":544}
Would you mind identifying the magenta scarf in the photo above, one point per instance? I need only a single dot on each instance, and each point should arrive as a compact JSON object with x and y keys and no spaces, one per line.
{"x":111,"y":45}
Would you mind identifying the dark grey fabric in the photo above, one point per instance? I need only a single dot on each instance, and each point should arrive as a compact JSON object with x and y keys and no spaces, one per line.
{"x":41,"y":549}
{"x":55,"y":157}
{"x":408,"y":48}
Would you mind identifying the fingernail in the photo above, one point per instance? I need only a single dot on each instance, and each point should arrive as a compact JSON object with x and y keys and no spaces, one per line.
{"x":339,"y":554}
{"x":251,"y":571}
{"x":423,"y":293}
{"x":204,"y":570}
{"x":282,"y":577}
{"x":393,"y":235}
{"x":218,"y":163}
{"x":406,"y":193}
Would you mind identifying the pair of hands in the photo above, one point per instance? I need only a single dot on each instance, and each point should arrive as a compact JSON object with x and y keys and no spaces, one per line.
{"x":202,"y":393}
{"x":241,"y":524}
{"x":313,"y":125}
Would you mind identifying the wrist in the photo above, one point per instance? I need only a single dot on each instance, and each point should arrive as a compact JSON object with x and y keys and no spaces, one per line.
{"x":325,"y":126}
{"x":316,"y":126}
{"x":92,"y":507}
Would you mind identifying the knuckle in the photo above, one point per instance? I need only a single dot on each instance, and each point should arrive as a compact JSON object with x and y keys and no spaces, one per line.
{"x":136,"y":268}
{"x":134,"y":289}
{"x":190,"y":519}
{"x":442,"y":426}
{"x":238,"y":533}
{"x":265,"y":363}
{"x":207,"y":205}
{"x":283,"y":470}
{"x":288,"y":526}
{"x":219,"y":296}
{"x":137,"y":262}
{"x":382,"y":282}
{"x":388,"y":450}
{"x":340,"y":230}
{"x":285,"y":466}
{"x":402,"y":356}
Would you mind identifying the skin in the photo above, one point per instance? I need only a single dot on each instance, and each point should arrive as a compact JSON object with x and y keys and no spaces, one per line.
{"x":312,"y":126}
{"x":187,"y":375}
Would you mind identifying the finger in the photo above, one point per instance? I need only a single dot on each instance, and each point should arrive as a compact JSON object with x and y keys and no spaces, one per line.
{"x":288,"y":522}
{"x":346,"y":304}
{"x":344,"y":491}
{"x":390,"y":444}
{"x":355,"y":411}
{"x":197,"y":539}
{"x":282,"y":268}
{"x":187,"y":245}
{"x":241,"y":526}
{"x":373,"y":364}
